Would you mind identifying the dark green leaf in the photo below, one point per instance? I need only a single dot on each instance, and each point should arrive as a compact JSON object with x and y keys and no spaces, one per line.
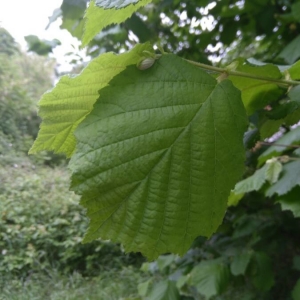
{"x":210,"y":277}
{"x":296,"y":11}
{"x":294,"y":94}
{"x":269,"y":127}
{"x":256,"y":94}
{"x":291,"y":52}
{"x":240,"y":263}
{"x":291,"y":201}
{"x":262,"y":276}
{"x":296,"y":291}
{"x":41,"y":47}
{"x":164,"y":290}
{"x":296,"y":262}
{"x":282,"y":110}
{"x":139,"y":28}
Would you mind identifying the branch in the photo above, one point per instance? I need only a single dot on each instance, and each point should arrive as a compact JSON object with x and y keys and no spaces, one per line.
{"x":242,"y":74}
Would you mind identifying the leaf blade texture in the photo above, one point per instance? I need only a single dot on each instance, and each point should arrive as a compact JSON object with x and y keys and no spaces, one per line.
{"x":68,"y":103}
{"x":158,"y":156}
{"x":97,"y":18}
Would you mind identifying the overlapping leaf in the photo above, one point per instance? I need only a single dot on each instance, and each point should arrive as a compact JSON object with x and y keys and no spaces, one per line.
{"x":63,"y":108}
{"x":289,"y":180}
{"x":256,"y":94}
{"x":97,"y":18}
{"x":210,"y":277}
{"x":240,"y":263}
{"x":291,"y":201}
{"x":157,"y":157}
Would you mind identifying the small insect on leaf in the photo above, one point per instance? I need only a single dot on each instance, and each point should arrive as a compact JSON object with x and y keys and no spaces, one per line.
{"x":146,"y":63}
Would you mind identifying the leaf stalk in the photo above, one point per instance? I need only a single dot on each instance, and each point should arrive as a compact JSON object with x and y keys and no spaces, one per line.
{"x":282,"y":82}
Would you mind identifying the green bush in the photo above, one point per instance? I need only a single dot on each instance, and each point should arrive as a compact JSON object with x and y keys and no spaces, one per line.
{"x":109,"y":285}
{"x":42,"y":227}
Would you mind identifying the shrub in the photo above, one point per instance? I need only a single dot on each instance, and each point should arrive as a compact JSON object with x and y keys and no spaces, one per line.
{"x":42,"y":226}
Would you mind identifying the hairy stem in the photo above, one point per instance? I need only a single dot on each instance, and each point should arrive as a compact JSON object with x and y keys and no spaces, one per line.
{"x":242,"y":74}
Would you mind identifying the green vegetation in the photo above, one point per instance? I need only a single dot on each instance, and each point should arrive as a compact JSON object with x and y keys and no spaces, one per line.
{"x":186,"y":142}
{"x":41,"y":223}
{"x":41,"y":230}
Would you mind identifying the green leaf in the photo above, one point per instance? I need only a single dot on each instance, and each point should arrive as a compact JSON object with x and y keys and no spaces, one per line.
{"x":164,"y":261}
{"x":139,"y":28}
{"x":282,"y":110}
{"x":291,"y":201}
{"x":269,"y":127}
{"x":294,"y":70}
{"x":157,"y":157}
{"x":296,"y":262}
{"x":164,"y":290}
{"x":234,"y":199}
{"x":256,"y":94}
{"x":281,"y":145}
{"x":97,"y":18}
{"x":289,"y":179}
{"x":252,"y":183}
{"x":294,"y":94}
{"x":210,"y":277}
{"x":107,"y":4}
{"x":291,"y":52}
{"x":273,"y":170}
{"x":63,"y":108}
{"x":240,"y":263}
{"x":144,"y":287}
{"x":41,"y":47}
{"x":262,"y":276}
{"x":296,"y":291}
{"x":296,"y":11}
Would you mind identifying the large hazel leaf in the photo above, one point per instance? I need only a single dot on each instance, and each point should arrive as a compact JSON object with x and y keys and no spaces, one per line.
{"x":157,"y":157}
{"x":64,"y":107}
{"x":97,"y":18}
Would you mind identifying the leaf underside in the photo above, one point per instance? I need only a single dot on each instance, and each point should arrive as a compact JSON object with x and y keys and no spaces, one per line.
{"x":97,"y":18}
{"x":64,"y":107}
{"x":158,"y":155}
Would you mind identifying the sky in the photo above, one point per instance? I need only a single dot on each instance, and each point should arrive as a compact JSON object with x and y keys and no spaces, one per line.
{"x":31,"y":17}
